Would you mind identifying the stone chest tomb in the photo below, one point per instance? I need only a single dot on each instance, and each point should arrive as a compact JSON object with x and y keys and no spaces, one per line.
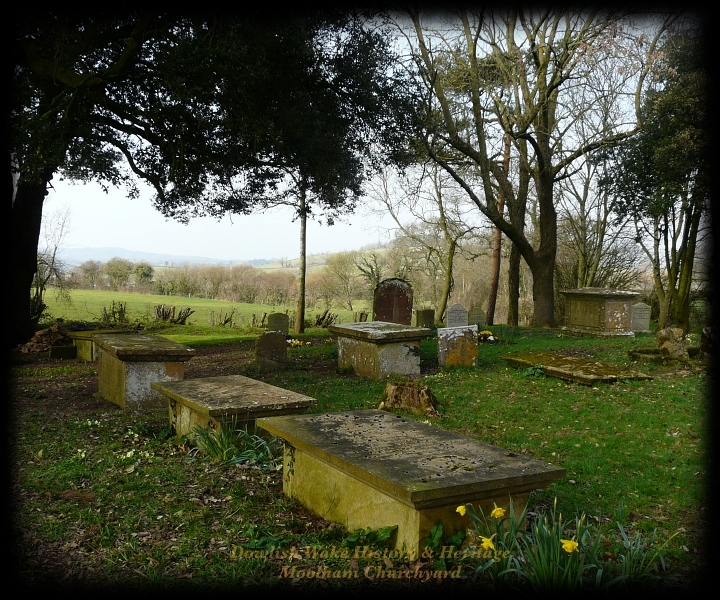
{"x":129,"y":363}
{"x":377,"y":349}
{"x":376,"y":469}
{"x":230,"y":399}
{"x":599,"y":311}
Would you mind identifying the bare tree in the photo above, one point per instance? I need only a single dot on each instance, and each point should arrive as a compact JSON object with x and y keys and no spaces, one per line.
{"x":51,"y":271}
{"x":90,"y":273}
{"x":432,"y":215}
{"x":489,"y":75}
{"x":345,"y":277}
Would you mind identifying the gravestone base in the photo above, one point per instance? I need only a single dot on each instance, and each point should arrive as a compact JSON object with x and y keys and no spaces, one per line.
{"x":409,"y":395}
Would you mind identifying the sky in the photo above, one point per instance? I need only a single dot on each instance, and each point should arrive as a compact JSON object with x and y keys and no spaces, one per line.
{"x":100,"y":220}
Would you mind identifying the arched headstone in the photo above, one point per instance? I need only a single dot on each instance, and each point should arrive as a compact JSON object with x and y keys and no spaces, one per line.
{"x":457,"y":316}
{"x":278,"y":322}
{"x":393,"y":301}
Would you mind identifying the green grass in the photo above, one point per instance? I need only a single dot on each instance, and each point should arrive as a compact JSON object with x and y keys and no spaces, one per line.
{"x":87,"y":305}
{"x":163,"y":514}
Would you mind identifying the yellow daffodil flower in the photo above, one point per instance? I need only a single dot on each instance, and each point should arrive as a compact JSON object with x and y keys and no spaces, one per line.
{"x":497,"y":513}
{"x":462,"y":510}
{"x":487,"y":543}
{"x":569,"y":546}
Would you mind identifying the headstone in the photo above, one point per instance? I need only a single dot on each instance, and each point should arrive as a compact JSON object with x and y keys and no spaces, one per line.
{"x":392,"y":302}
{"x":278,"y":322}
{"x":457,"y":316}
{"x":641,"y":317}
{"x":270,"y":352}
{"x":423,"y":318}
{"x":457,"y":346}
{"x":476,"y":316}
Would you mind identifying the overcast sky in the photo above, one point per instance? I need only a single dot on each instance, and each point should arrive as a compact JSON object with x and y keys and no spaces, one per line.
{"x":99,"y":220}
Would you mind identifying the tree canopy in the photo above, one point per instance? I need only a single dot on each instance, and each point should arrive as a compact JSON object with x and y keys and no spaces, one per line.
{"x":213,"y":110}
{"x":661,"y":178}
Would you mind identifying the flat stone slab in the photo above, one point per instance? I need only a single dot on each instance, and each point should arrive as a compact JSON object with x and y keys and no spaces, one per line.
{"x":83,"y":341}
{"x":211,"y":401}
{"x":136,"y":347}
{"x":380,"y":332}
{"x":375,"y":469}
{"x":573,"y":368}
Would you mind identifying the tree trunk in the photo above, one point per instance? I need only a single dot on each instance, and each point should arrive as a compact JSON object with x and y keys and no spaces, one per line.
{"x":494,"y":278}
{"x":300,"y":314}
{"x":544,"y":292}
{"x":543,"y":271}
{"x":513,"y":315}
{"x":447,"y":284}
{"x":25,"y":222}
{"x":497,"y":246}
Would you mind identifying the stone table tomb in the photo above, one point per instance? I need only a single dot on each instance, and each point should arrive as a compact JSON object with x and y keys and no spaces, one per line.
{"x":128,"y":363}
{"x":231,"y":400}
{"x":376,"y":469}
{"x":377,"y":349}
{"x":599,"y":311}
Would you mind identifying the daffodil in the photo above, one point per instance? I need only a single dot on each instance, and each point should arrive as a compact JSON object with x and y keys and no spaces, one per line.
{"x":569,"y":546}
{"x":497,"y":513}
{"x":461,"y":509}
{"x":487,"y":543}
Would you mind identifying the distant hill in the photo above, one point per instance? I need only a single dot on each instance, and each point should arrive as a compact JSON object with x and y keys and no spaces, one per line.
{"x":77,"y":256}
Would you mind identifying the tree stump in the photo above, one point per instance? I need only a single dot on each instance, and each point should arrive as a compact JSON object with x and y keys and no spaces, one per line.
{"x":672,"y":340}
{"x":410,"y":396}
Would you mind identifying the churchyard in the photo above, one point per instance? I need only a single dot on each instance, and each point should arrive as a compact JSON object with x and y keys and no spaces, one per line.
{"x":106,"y":496}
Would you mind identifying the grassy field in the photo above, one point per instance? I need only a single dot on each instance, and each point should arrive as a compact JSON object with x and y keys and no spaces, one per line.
{"x":88,"y":305}
{"x":129,"y":506}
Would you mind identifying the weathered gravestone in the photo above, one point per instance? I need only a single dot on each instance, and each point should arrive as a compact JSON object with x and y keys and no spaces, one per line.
{"x":641,"y":317}
{"x":423,"y":317}
{"x":392,"y":302}
{"x":476,"y":316}
{"x":457,"y":316}
{"x":270,"y":352}
{"x":457,"y":346}
{"x":278,"y":322}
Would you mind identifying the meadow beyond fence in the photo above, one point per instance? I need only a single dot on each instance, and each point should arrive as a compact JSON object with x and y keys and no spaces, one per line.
{"x":88,"y":305}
